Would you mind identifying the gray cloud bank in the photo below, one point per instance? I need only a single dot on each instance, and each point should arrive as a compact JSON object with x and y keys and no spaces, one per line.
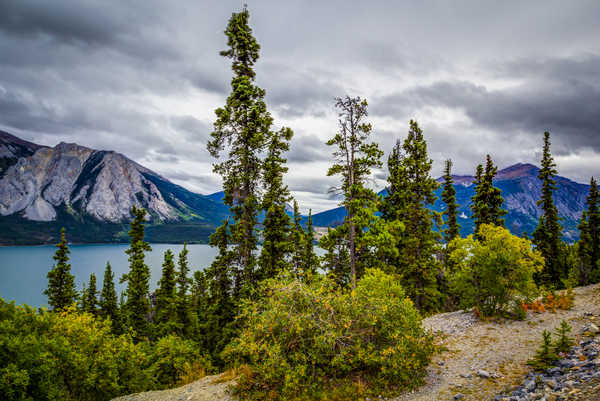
{"x":143,"y":78}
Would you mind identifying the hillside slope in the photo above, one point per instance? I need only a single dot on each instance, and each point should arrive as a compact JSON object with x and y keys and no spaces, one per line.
{"x":91,"y":193}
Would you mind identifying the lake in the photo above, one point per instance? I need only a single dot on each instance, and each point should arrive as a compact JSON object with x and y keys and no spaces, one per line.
{"x":23,"y":268}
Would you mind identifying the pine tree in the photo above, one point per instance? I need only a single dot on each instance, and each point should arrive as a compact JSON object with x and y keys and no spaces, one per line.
{"x":276,"y":245}
{"x":244,"y":126}
{"x":91,"y":297}
{"x":309,"y":259}
{"x":449,"y":197}
{"x":410,"y":190}
{"x":165,"y":310}
{"x":547,"y":235}
{"x":589,"y":238}
{"x":354,"y":158}
{"x":109,"y":309}
{"x":137,"y":305}
{"x":61,"y":290}
{"x":296,"y":242}
{"x":184,"y":311}
{"x":218,"y":317}
{"x":336,"y":259}
{"x":486,"y":204}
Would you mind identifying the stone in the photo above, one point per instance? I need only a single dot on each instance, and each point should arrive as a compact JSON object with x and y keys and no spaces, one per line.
{"x":459,"y":396}
{"x":483,"y":374}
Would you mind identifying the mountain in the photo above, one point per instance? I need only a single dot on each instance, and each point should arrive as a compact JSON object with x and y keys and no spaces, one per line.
{"x":521,"y":190}
{"x":91,"y":192}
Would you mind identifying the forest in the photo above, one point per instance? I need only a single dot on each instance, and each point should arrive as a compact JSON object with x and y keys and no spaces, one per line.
{"x":286,"y":323}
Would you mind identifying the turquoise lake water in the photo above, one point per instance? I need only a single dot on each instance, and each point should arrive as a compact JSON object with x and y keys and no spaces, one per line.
{"x":23,"y":268}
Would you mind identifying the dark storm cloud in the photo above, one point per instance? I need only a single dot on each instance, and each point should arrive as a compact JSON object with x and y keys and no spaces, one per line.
{"x":559,"y":95}
{"x":144,"y":77}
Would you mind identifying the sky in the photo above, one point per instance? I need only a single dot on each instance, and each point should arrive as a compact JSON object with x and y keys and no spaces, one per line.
{"x":144,"y":77}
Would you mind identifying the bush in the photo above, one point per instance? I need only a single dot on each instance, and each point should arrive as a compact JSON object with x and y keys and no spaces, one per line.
{"x":313,"y":341}
{"x":494,"y":274}
{"x":73,"y":356}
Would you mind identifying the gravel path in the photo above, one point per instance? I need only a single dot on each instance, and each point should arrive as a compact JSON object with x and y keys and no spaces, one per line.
{"x":481,"y":360}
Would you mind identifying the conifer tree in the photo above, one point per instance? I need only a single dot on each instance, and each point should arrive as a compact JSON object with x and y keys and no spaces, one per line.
{"x":336,"y":259}
{"x":547,"y":235}
{"x":276,"y":233}
{"x":589,"y":238}
{"x":486,"y":204}
{"x":244,"y":126}
{"x":136,"y":309}
{"x":309,"y":259}
{"x":354,"y":157}
{"x":410,"y":190}
{"x":90,"y":295}
{"x":61,"y":290}
{"x":165,"y":311}
{"x":184,"y":312}
{"x":449,"y":197}
{"x":297,"y":241}
{"x":218,"y":319}
{"x":109,"y":308}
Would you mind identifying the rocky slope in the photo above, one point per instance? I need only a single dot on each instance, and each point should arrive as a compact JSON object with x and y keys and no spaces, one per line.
{"x":481,"y":360}
{"x":70,"y":183}
{"x":521,"y":190}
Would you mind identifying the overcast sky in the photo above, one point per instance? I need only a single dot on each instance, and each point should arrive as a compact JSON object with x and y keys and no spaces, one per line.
{"x":144,"y":77}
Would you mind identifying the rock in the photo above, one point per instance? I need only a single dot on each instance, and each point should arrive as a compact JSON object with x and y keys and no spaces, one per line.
{"x":483,"y":374}
{"x":529,"y":386}
{"x":590,"y":328}
{"x":459,"y":396}
{"x":551,"y":383}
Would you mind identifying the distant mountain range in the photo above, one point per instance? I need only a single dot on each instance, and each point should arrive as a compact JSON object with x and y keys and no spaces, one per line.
{"x":521,"y":190}
{"x":90,"y":193}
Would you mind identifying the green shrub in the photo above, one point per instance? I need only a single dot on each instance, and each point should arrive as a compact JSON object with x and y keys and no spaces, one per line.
{"x":313,"y":341}
{"x":74,"y":356}
{"x":564,"y":342}
{"x":494,"y":274}
{"x":545,"y":355}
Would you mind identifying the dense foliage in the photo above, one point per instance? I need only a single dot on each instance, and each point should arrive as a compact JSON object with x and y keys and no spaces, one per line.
{"x":494,"y":272}
{"x":312,"y":341}
{"x":74,"y":356}
{"x":61,"y":283}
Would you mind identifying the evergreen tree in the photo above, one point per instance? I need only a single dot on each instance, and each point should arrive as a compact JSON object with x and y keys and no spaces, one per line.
{"x":91,"y":297}
{"x":336,"y":259}
{"x":244,"y":126}
{"x":309,"y":259}
{"x":449,"y":197}
{"x":297,"y":240}
{"x":184,"y":311}
{"x":61,"y":290}
{"x":276,"y":233}
{"x":589,"y":238}
{"x":109,"y":309}
{"x":165,"y":311}
{"x":410,"y":190}
{"x":218,"y":318}
{"x":547,"y":235}
{"x":486,"y":204}
{"x":136,"y":309}
{"x":354,"y":158}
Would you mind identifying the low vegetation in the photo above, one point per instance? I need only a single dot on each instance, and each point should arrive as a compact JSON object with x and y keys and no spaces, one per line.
{"x":316,"y":341}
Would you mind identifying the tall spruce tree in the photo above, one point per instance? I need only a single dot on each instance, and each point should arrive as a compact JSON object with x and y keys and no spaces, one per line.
{"x":547,"y":235}
{"x":589,"y":238}
{"x":109,"y":308}
{"x":218,"y":317}
{"x":90,"y":295}
{"x":165,"y":309}
{"x":310,"y":260}
{"x":244,"y":126}
{"x":410,"y":190}
{"x":296,"y":242}
{"x":486,"y":203}
{"x":184,"y":308}
{"x":449,"y":197}
{"x":276,"y":233}
{"x":354,"y":157}
{"x":136,"y":309}
{"x":61,"y":290}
